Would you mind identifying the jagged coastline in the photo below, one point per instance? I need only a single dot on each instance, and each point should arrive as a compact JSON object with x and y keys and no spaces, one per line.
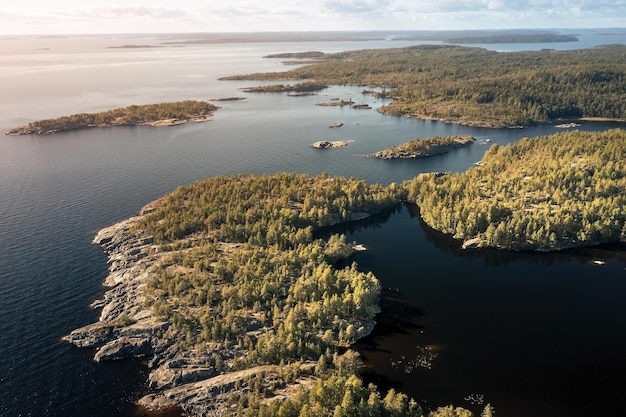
{"x":198,"y":381}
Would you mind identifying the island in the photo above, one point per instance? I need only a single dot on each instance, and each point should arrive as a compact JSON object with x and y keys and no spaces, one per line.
{"x":336,"y":102}
{"x":229,"y":99}
{"x":420,"y":148}
{"x":298,"y":55}
{"x":325,"y":144}
{"x":306,"y":87}
{"x":513,"y":38}
{"x":479,"y":87}
{"x":547,"y":193}
{"x":161,"y":114}
{"x":237,"y":307}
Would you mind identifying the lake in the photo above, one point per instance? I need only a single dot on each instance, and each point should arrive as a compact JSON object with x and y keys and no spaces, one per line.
{"x":534,"y":334}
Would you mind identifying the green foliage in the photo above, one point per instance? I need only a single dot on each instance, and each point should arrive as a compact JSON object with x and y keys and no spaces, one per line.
{"x":425,"y":147}
{"x":450,"y":411}
{"x":549,"y":192}
{"x":125,"y":320}
{"x":279,"y":88}
{"x":243,"y":278}
{"x":131,"y":115}
{"x":478,"y":86}
{"x":340,"y":396}
{"x":282,"y":209}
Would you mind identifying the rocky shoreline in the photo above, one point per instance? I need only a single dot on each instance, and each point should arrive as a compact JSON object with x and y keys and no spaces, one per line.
{"x":127,"y":328}
{"x":38,"y":130}
{"x":325,"y":144}
{"x":429,"y":149}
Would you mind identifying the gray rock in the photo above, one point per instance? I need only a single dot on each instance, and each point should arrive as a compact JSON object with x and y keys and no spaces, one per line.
{"x":124,"y":348}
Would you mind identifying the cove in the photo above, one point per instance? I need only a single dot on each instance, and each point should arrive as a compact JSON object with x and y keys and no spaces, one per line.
{"x":537,"y":334}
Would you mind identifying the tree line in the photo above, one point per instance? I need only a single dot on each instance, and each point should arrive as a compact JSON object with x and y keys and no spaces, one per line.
{"x":548,"y":192}
{"x":479,"y":86}
{"x":131,"y":115}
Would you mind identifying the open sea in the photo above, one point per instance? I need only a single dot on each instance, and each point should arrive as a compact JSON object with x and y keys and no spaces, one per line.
{"x":540,"y":335}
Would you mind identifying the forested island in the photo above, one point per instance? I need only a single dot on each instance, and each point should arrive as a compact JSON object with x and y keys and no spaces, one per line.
{"x":161,"y":114}
{"x":480,"y":87}
{"x":420,"y":148}
{"x":547,"y":193}
{"x":279,"y":88}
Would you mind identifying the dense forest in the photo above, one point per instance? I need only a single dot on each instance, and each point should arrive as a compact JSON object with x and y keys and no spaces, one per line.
{"x":478,"y":86}
{"x":545,"y":193}
{"x":419,"y":148}
{"x":246,"y":286}
{"x":243,"y":280}
{"x":127,"y":116}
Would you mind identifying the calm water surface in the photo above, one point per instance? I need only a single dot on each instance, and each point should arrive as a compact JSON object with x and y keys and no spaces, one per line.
{"x":536,"y":334}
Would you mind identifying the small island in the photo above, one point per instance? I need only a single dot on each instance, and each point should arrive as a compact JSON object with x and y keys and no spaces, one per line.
{"x":335,"y":102}
{"x":159,"y":115}
{"x":325,"y":144}
{"x":420,"y":148}
{"x":547,"y":193}
{"x":306,"y":87}
{"x":233,"y":98}
{"x":298,"y":55}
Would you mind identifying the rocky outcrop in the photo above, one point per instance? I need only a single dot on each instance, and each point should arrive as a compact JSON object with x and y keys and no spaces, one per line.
{"x":325,"y":144}
{"x":125,"y":328}
{"x":410,"y":150}
{"x":199,"y":379}
{"x":38,"y":130}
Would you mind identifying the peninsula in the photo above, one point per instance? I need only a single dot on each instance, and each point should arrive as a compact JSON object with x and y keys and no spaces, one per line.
{"x":161,"y":114}
{"x":420,"y":148}
{"x":239,"y":308}
{"x":547,"y":193}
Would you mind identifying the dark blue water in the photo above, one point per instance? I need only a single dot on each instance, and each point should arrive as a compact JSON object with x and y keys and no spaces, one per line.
{"x":56,"y":192}
{"x":534,"y":334}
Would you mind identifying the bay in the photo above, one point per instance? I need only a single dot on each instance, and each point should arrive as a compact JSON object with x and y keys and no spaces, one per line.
{"x":57,"y":191}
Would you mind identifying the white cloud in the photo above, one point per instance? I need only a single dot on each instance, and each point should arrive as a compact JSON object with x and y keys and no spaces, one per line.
{"x":73,"y":16}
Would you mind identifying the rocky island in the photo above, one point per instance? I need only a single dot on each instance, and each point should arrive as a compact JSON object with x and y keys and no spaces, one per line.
{"x":222,"y":287}
{"x":420,"y":148}
{"x":325,"y":144}
{"x":159,"y":115}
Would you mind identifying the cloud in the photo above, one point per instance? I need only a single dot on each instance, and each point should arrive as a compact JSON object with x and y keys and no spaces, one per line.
{"x":89,"y":16}
{"x":128,"y":12}
{"x":355,"y":6}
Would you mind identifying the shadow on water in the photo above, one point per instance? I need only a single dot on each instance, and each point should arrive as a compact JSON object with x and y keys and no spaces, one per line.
{"x":468,"y":327}
{"x":498,"y":257}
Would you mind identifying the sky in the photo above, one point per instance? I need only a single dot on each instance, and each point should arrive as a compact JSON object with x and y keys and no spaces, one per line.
{"x":22,"y":17}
